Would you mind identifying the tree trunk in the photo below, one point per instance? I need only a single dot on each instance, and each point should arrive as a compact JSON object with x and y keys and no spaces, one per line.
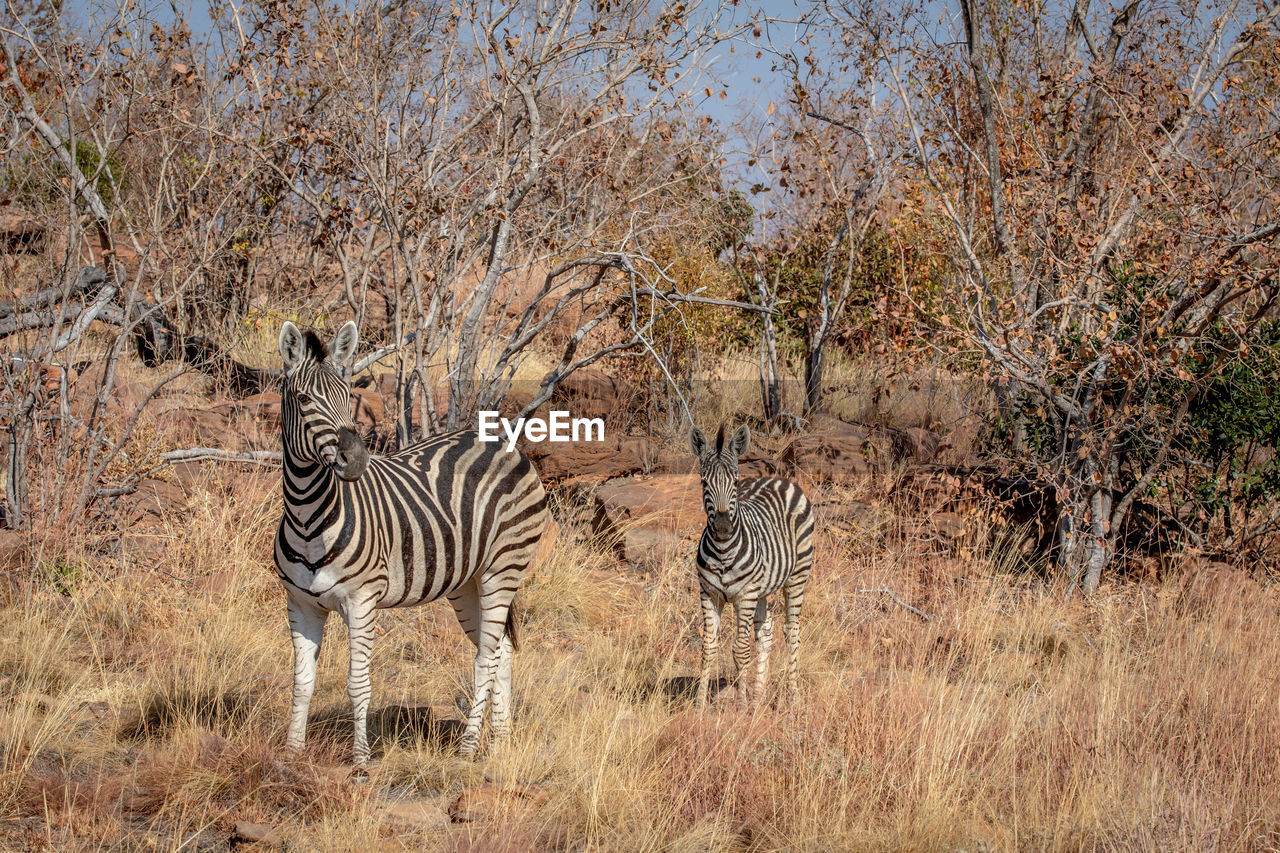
{"x":770,"y":381}
{"x":1096,"y":550}
{"x":16,"y":471}
{"x":813,"y":366}
{"x":462,"y":383}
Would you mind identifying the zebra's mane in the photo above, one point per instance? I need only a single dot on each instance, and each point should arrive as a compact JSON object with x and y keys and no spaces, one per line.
{"x":720,"y":440}
{"x":315,"y":346}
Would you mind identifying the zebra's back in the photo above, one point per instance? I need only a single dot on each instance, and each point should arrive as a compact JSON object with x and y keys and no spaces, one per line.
{"x":423,"y":521}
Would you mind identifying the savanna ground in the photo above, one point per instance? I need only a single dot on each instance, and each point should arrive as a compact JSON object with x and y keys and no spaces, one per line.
{"x":144,"y":702}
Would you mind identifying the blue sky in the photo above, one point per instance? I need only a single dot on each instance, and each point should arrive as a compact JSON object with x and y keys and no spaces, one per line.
{"x":748,"y":80}
{"x":746,"y":70}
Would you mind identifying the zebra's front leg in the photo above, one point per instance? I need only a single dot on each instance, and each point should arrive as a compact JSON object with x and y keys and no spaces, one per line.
{"x":764,"y":641}
{"x":742,"y":646}
{"x":306,"y":625}
{"x":711,"y":608}
{"x":360,"y":619}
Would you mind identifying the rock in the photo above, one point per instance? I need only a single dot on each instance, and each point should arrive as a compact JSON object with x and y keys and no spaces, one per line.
{"x":652,"y":520}
{"x":35,"y":698}
{"x":261,"y":407}
{"x":588,"y":462}
{"x":145,"y":548}
{"x":419,"y":814}
{"x":21,"y":232}
{"x":487,"y":801}
{"x":918,"y":445}
{"x":845,"y":458}
{"x":754,"y":464}
{"x":188,"y":476}
{"x":256,"y":833}
{"x":513,"y":404}
{"x":154,"y":499}
{"x":366,"y":408}
{"x":14,"y":551}
{"x":207,"y":840}
{"x":831,"y":425}
{"x":671,"y":502}
{"x":848,"y":516}
{"x":253,"y":422}
{"x":1205,"y":586}
{"x":204,"y":427}
{"x":589,"y":384}
{"x":118,"y":406}
{"x":547,"y":544}
{"x":643,"y":546}
{"x":211,"y":744}
{"x":217,"y":585}
{"x":383,"y":390}
{"x":950,"y":527}
{"x":931,"y":488}
{"x":590,"y":393}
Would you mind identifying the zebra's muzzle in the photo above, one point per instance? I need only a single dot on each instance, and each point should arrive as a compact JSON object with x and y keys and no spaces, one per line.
{"x":721,"y":523}
{"x":352,"y":457}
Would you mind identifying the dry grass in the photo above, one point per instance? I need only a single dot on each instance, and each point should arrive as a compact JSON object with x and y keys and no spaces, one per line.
{"x":143,"y":700}
{"x":147,"y":710}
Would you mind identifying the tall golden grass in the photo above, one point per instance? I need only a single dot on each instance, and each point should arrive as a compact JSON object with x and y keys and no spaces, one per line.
{"x":143,"y":699}
{"x":141,"y":709}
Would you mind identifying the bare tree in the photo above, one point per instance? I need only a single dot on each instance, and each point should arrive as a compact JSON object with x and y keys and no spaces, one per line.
{"x":1099,"y":172}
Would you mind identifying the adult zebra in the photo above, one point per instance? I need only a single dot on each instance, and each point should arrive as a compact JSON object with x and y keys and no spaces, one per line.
{"x":758,"y":539}
{"x":451,"y":516}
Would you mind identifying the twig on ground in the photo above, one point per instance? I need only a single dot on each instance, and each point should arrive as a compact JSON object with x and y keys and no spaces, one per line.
{"x":192,"y":454}
{"x":898,"y":601}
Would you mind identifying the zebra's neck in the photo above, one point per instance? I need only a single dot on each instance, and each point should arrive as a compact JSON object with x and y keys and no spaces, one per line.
{"x":726,"y":543}
{"x":309,"y":490}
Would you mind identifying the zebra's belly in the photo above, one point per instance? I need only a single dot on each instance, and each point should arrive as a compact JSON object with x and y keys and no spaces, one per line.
{"x":423,"y":569}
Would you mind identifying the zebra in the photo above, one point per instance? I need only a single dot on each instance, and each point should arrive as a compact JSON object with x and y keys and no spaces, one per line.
{"x":450,"y":516}
{"x":758,"y":539}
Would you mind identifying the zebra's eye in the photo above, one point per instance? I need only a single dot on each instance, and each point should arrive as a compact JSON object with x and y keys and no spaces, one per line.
{"x":303,"y":398}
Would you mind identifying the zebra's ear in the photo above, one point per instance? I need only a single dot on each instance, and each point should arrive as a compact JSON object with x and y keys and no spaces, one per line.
{"x":741,"y":441}
{"x":292,"y":345}
{"x":698,"y":441}
{"x":344,"y":345}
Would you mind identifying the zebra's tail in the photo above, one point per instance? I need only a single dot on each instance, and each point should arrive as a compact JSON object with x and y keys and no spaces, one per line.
{"x":511,"y":625}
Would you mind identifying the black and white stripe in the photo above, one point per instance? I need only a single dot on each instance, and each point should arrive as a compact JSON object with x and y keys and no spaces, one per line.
{"x":451,"y":516}
{"x":758,"y":540}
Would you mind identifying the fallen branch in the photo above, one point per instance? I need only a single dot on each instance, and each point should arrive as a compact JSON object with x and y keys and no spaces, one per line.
{"x":156,"y":339}
{"x":88,"y":277}
{"x":87,"y":316}
{"x":898,"y":601}
{"x":192,"y":454}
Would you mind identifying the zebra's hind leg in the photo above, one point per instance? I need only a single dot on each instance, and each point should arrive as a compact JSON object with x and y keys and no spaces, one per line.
{"x":306,"y":625}
{"x":466,"y":606}
{"x":764,"y":641}
{"x":793,"y":598}
{"x":484,"y":618}
{"x":500,"y":714}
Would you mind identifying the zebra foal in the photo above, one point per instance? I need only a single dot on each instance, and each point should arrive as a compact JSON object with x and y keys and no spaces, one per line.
{"x":758,"y":539}
{"x":451,"y":516}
